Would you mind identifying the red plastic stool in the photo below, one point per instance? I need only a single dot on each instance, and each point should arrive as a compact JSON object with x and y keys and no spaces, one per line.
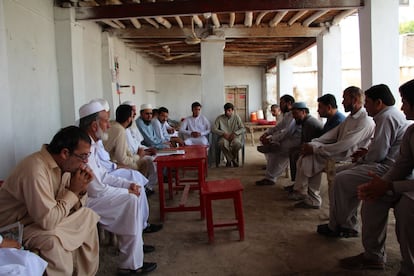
{"x":223,"y":189}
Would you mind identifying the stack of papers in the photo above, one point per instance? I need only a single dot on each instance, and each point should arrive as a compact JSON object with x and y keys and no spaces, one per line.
{"x":166,"y":152}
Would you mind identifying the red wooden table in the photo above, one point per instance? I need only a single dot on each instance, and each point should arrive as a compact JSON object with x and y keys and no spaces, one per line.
{"x":194,"y":157}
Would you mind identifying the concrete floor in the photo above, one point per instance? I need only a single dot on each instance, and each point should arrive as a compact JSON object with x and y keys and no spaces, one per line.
{"x":280,"y":240}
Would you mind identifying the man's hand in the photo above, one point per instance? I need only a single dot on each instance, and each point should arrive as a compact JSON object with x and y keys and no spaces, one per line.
{"x":9,"y":243}
{"x":359,"y":153}
{"x":134,"y":189}
{"x":141,"y":152}
{"x":150,"y":151}
{"x":226,"y":136}
{"x":374,"y":189}
{"x":195,"y":134}
{"x":80,"y":179}
{"x":306,"y":149}
{"x":170,"y":130}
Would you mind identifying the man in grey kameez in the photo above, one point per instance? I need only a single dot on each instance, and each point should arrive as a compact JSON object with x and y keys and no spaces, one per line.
{"x":303,"y":129}
{"x":394,"y":190}
{"x":337,"y":144}
{"x":380,"y":156}
{"x":230,"y":129}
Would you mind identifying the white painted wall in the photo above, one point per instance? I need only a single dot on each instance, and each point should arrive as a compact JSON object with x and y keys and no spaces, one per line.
{"x":251,"y":77}
{"x":30,"y":101}
{"x":133,"y":70}
{"x":179,"y":86}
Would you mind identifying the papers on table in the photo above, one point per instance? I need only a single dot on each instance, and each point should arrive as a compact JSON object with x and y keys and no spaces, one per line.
{"x":166,"y":152}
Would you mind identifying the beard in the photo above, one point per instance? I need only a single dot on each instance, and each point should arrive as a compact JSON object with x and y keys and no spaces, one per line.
{"x":129,"y":125}
{"x":100,"y":134}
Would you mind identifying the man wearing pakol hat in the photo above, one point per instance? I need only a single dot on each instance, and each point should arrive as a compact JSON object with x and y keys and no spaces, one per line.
{"x":118,"y":201}
{"x":195,"y":128}
{"x":327,"y":108}
{"x":303,"y":129}
{"x":336,"y":145}
{"x":147,"y":130}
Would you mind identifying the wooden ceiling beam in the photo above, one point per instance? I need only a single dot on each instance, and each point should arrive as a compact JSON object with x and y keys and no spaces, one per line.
{"x":191,"y":7}
{"x":282,"y":30}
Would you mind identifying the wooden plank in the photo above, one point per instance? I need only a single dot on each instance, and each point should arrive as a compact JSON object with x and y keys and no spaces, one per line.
{"x":190,"y":7}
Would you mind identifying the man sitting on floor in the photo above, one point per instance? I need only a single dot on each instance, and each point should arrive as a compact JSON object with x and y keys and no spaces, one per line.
{"x":118,"y":201}
{"x":337,"y":144}
{"x":195,"y":128}
{"x":390,"y":126}
{"x":304,"y":129}
{"x":46,"y":193}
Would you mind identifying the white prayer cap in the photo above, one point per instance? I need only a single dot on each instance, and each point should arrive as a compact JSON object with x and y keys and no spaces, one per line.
{"x":146,"y":106}
{"x":103,"y":102}
{"x":130,"y":103}
{"x":89,"y":109}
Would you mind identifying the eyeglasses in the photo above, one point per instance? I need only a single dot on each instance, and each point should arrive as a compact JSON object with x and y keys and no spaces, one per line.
{"x":83,"y":156}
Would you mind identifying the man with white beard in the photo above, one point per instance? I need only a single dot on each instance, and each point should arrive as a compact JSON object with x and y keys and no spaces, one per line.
{"x":118,"y":201}
{"x":123,"y":170}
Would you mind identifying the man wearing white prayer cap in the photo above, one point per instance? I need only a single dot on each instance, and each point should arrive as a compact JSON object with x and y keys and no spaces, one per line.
{"x":134,"y":140}
{"x":147,"y":129}
{"x":124,"y":216}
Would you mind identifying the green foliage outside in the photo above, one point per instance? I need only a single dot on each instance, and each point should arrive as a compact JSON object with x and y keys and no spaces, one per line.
{"x":407,"y":27}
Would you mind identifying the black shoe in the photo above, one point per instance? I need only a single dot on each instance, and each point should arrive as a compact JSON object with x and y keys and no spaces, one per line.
{"x":145,"y":268}
{"x":235,"y":164}
{"x":289,"y":188}
{"x":265,"y":182}
{"x":228,"y":164}
{"x":149,"y":192}
{"x":304,"y":205}
{"x":360,"y":262}
{"x":148,"y":248}
{"x":152,"y":228}
{"x":340,"y":232}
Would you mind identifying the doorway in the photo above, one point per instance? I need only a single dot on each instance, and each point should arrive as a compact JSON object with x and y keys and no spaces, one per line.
{"x":238,"y":96}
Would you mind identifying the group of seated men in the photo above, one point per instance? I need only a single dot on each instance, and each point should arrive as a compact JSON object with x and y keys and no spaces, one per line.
{"x":100,"y":172}
{"x":377,"y":140}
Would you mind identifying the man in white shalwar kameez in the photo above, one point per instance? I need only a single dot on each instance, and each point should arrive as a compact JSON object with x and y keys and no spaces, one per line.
{"x":336,"y":145}
{"x":390,"y":126}
{"x":118,"y":201}
{"x":196,"y":128}
{"x":16,"y":261}
{"x":134,"y":139}
{"x":163,"y":130}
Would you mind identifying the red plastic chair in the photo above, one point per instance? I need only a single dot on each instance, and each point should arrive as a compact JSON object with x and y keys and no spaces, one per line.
{"x":223,"y":189}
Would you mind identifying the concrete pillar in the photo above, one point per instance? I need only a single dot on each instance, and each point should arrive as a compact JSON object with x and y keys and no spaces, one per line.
{"x":330,"y":63}
{"x":284,"y":77}
{"x":71,"y":73}
{"x":378,"y":30}
{"x":108,"y":71}
{"x":7,"y":144}
{"x":212,"y":77}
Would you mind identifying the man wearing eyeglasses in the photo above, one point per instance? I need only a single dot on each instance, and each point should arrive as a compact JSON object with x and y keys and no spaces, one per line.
{"x":45,"y":192}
